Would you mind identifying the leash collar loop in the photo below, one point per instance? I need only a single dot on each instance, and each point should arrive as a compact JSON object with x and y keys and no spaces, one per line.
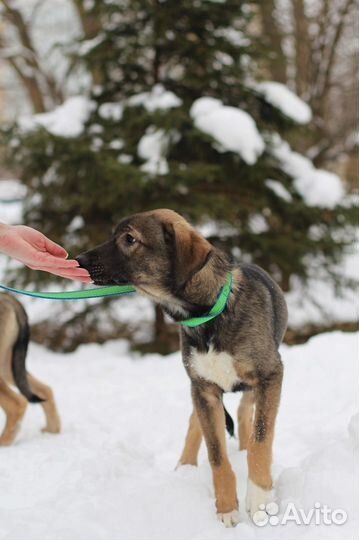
{"x":216,"y":310}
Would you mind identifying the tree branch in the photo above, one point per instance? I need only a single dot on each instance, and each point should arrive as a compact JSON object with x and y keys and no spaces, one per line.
{"x":91,"y":27}
{"x":38,"y":81}
{"x":330,"y":52}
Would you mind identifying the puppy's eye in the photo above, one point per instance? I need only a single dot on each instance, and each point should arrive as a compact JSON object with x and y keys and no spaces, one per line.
{"x":130,"y":239}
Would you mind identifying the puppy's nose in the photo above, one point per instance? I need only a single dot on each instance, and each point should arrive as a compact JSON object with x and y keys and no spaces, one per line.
{"x":83,"y":260}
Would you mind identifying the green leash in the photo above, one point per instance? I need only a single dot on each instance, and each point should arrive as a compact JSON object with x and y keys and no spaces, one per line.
{"x":11,"y":201}
{"x":76,"y":295}
{"x":118,"y":290}
{"x":216,"y":309}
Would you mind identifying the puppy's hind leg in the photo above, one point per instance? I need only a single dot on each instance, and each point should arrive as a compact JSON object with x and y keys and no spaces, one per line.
{"x":192,"y":443}
{"x":53,"y":422}
{"x":245,"y":419}
{"x":14,"y":406}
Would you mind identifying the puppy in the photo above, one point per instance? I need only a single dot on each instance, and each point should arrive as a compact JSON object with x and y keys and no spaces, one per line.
{"x":14,"y":339}
{"x":169,"y":261}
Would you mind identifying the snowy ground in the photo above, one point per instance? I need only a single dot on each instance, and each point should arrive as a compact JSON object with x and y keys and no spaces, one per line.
{"x":110,"y":474}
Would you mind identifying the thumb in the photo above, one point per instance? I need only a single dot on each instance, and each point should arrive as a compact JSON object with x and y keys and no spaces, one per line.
{"x":55,"y":250}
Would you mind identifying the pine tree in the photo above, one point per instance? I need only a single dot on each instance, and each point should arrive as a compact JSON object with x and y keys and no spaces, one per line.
{"x":153,"y":62}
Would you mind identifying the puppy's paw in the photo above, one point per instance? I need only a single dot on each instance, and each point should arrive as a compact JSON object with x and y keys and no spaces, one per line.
{"x":6,"y":441}
{"x":258,"y":501}
{"x":54,"y":427}
{"x":229,"y":519}
{"x":183,"y":463}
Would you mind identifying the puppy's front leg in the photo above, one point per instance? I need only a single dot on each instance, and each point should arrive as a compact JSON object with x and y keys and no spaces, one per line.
{"x":207,"y":399}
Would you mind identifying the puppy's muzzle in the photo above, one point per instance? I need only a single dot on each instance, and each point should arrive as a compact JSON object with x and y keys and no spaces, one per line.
{"x":93,"y":266}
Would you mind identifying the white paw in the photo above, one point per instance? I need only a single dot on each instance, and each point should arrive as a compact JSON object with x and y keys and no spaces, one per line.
{"x":229,"y":519}
{"x":257,"y":500}
{"x":180,"y":464}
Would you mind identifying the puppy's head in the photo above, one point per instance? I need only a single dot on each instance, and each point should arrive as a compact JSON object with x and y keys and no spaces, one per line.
{"x":156,"y":250}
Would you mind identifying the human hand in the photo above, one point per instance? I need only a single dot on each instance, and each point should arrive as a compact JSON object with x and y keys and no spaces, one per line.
{"x":38,"y":252}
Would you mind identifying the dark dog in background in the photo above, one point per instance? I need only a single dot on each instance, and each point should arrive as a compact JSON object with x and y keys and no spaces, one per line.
{"x":14,"y":339}
{"x":168,"y":260}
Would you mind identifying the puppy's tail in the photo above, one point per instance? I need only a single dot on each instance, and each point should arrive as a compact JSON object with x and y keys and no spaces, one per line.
{"x":18,"y":364}
{"x":229,"y":422}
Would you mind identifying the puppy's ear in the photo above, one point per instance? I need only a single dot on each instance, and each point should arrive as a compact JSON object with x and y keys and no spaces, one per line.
{"x":191,"y":250}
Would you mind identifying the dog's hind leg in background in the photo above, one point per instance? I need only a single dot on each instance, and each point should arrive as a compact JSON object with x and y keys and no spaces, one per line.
{"x":14,"y":339}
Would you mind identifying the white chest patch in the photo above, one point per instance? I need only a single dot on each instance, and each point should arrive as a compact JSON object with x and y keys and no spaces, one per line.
{"x":215,"y":367}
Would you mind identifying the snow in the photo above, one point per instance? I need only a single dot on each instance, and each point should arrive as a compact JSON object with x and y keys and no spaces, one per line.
{"x":257,"y":224}
{"x":152,"y":148}
{"x":12,"y":190}
{"x":232,"y":128}
{"x":116,"y":144}
{"x":318,"y":302}
{"x":234,"y":36}
{"x":279,"y":189}
{"x":316,"y":186}
{"x":75,"y":224}
{"x":216,"y":228}
{"x":205,"y":106}
{"x":110,"y":473}
{"x":87,"y":45}
{"x":125,"y":158}
{"x":11,"y":212}
{"x":67,"y":120}
{"x":111,"y":111}
{"x":157,"y":99}
{"x":285,"y":100}
{"x":353,"y":430}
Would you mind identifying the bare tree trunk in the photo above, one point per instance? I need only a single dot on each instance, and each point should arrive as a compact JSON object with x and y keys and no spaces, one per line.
{"x":273,"y":38}
{"x":302,"y":49}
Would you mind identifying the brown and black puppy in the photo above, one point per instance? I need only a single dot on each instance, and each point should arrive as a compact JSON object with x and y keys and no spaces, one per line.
{"x":166,"y":259}
{"x":14,"y":339}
